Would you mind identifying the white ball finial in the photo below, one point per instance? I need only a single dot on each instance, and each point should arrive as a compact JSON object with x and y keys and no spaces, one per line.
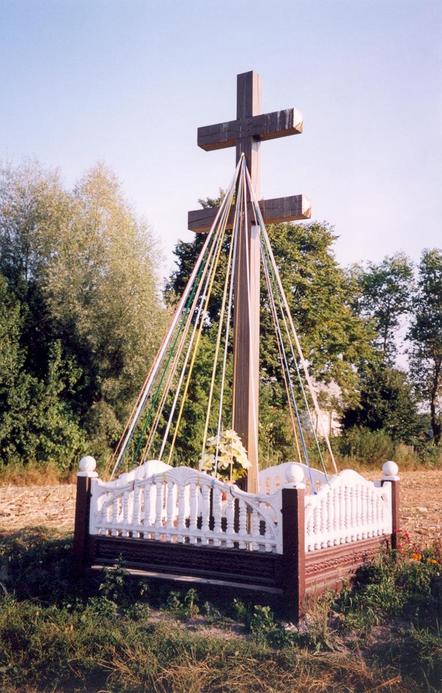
{"x":295,"y":475}
{"x":87,"y":466}
{"x":390,"y":470}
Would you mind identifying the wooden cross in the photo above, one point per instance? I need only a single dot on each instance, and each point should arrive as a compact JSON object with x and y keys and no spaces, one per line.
{"x":246,"y":133}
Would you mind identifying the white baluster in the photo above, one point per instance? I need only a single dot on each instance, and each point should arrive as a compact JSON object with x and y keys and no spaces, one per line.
{"x":158,"y":508}
{"x":308,"y":529}
{"x":370,"y":513}
{"x":335,"y":525}
{"x":316,"y":526}
{"x":181,"y":514}
{"x":136,"y":512}
{"x":242,"y":524}
{"x":351,"y":502}
{"x":125,"y":532}
{"x":230,"y":519}
{"x":114,"y":520}
{"x":193,"y":513}
{"x":205,"y":526}
{"x":170,"y":503}
{"x":254,"y":532}
{"x":330,"y":510}
{"x":323,"y":522}
{"x":216,"y":511}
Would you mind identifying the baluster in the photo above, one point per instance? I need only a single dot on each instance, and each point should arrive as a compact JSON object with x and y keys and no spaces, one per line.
{"x":316,"y":525}
{"x":346,"y":515}
{"x":370,"y":512}
{"x":356,"y":511}
{"x":308,"y":529}
{"x":329,"y":520}
{"x":181,"y":523}
{"x":270,"y":543}
{"x":158,"y":507}
{"x":242,"y":524}
{"x":205,"y":519}
{"x":148,"y":508}
{"x":169,"y":488}
{"x":193,"y":512}
{"x":136,"y":512}
{"x":379,"y":524}
{"x":125,"y":503}
{"x":322,"y":522}
{"x":351,"y":512}
{"x":341,"y":513}
{"x":335,"y":517}
{"x":230,"y":519}
{"x":254,"y":532}
{"x":114,"y":520}
{"x":216,"y":511}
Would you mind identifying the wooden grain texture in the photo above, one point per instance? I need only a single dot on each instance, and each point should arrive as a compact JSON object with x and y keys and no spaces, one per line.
{"x":277,"y":210}
{"x":246,"y":133}
{"x":329,"y":568}
{"x":266,"y":126}
{"x":293,"y":547}
{"x":81,"y":523}
{"x":247,"y":567}
{"x":395,"y":511}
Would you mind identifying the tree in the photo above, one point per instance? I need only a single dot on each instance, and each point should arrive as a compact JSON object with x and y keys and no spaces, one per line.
{"x":320,"y":295}
{"x":425,"y":337}
{"x":84,"y":268}
{"x":387,"y":403}
{"x":384,"y":296}
{"x":36,"y":422}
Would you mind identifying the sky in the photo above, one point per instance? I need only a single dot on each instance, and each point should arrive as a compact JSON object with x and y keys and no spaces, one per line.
{"x":127,"y":83}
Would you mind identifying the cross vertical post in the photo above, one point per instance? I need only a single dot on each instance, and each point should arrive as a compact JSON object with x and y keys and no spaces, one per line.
{"x":246,"y":133}
{"x":246,"y":325}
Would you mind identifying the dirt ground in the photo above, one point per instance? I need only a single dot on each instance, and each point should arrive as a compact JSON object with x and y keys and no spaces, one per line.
{"x":53,"y":506}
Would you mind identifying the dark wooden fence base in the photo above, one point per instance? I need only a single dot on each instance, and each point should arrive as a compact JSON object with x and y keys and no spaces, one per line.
{"x":284,"y":579}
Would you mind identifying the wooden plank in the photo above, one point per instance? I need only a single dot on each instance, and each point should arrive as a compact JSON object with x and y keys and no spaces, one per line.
{"x":329,"y":568}
{"x":247,"y":567}
{"x":262,"y":127}
{"x":275,"y":211}
{"x":293,"y":547}
{"x":187,"y":580}
{"x":81,"y":526}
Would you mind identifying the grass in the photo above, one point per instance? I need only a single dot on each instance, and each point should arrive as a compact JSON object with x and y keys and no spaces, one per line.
{"x":58,"y":633}
{"x":34,"y":474}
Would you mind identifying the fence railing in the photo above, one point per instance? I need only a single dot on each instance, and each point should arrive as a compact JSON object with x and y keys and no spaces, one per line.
{"x":182,"y":505}
{"x":346,"y":510}
{"x":274,"y":478}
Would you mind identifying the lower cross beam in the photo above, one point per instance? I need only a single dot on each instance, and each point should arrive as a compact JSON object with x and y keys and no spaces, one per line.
{"x":275,"y":211}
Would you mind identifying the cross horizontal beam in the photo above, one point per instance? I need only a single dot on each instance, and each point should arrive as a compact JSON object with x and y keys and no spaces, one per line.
{"x":274,"y":211}
{"x":266,"y":126}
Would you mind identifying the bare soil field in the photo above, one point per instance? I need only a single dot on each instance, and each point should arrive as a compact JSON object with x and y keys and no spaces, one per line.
{"x":54,"y":506}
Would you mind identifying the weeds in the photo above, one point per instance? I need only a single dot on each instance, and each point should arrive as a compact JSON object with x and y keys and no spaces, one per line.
{"x":57,"y":633}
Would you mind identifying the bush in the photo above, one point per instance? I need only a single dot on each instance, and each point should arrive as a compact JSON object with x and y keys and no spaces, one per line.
{"x":365,"y":445}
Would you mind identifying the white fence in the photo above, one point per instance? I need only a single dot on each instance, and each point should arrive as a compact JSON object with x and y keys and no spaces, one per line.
{"x":182,"y":505}
{"x":348,"y":509}
{"x":274,"y":478}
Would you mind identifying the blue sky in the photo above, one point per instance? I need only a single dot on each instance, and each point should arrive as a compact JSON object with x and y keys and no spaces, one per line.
{"x":127,"y":82}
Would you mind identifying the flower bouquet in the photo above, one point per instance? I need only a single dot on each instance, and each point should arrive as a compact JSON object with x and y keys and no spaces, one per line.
{"x":225,"y":457}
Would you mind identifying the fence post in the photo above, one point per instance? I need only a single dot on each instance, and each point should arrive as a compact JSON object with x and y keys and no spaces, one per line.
{"x":390,"y":472}
{"x":293,"y":542}
{"x":82,"y":511}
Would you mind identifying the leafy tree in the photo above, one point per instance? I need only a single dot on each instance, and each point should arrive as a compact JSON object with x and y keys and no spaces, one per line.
{"x":36,"y":422}
{"x":384,"y":295}
{"x":387,"y":403}
{"x":425,"y":336}
{"x":84,"y":268}
{"x":320,"y":295}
